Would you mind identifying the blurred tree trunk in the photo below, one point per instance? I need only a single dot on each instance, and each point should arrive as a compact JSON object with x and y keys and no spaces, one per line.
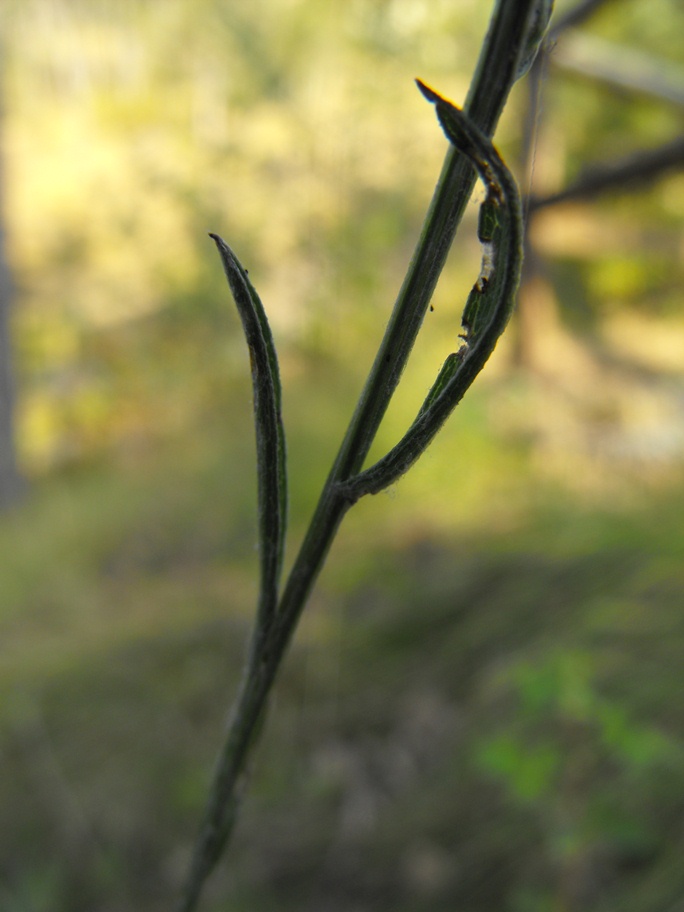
{"x":10,"y":481}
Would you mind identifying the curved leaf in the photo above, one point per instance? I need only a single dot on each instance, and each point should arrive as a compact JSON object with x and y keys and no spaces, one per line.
{"x":270,"y":434}
{"x":487,"y":310}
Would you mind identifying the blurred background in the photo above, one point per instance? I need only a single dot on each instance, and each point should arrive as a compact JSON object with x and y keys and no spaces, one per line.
{"x":483,"y":706}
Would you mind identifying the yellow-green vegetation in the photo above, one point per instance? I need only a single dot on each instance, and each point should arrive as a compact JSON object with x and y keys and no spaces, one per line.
{"x":482,"y":708}
{"x":490,"y":700}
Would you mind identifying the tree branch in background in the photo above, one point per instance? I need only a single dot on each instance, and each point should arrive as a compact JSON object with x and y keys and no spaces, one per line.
{"x":635,"y":170}
{"x":614,"y":66}
{"x":621,"y":67}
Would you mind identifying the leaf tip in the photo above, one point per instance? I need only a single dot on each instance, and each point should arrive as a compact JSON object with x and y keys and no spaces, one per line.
{"x":429,"y":93}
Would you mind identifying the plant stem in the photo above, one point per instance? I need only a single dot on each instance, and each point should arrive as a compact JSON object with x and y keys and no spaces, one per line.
{"x":495,"y":74}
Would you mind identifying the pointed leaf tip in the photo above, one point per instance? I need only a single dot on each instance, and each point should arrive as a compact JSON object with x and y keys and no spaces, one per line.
{"x":428,"y":93}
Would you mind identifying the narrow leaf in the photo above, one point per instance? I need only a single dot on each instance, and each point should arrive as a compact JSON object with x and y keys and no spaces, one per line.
{"x":487,"y":310}
{"x":270,"y":434}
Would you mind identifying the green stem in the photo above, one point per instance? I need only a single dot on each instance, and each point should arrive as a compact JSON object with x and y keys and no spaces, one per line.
{"x":497,"y":69}
{"x":495,"y":74}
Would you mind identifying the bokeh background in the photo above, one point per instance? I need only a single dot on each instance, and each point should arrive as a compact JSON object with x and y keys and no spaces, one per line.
{"x":483,"y":708}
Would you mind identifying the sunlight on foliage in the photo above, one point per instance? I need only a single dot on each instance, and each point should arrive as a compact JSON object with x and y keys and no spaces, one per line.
{"x":489,"y":677}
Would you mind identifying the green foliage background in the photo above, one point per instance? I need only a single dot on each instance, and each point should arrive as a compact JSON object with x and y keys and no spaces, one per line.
{"x":482,"y":709}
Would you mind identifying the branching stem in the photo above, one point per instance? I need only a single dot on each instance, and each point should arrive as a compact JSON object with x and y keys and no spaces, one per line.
{"x":510,"y":43}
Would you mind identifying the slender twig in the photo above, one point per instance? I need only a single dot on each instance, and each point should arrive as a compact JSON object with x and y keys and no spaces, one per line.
{"x":637,"y":169}
{"x":514,"y":34}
